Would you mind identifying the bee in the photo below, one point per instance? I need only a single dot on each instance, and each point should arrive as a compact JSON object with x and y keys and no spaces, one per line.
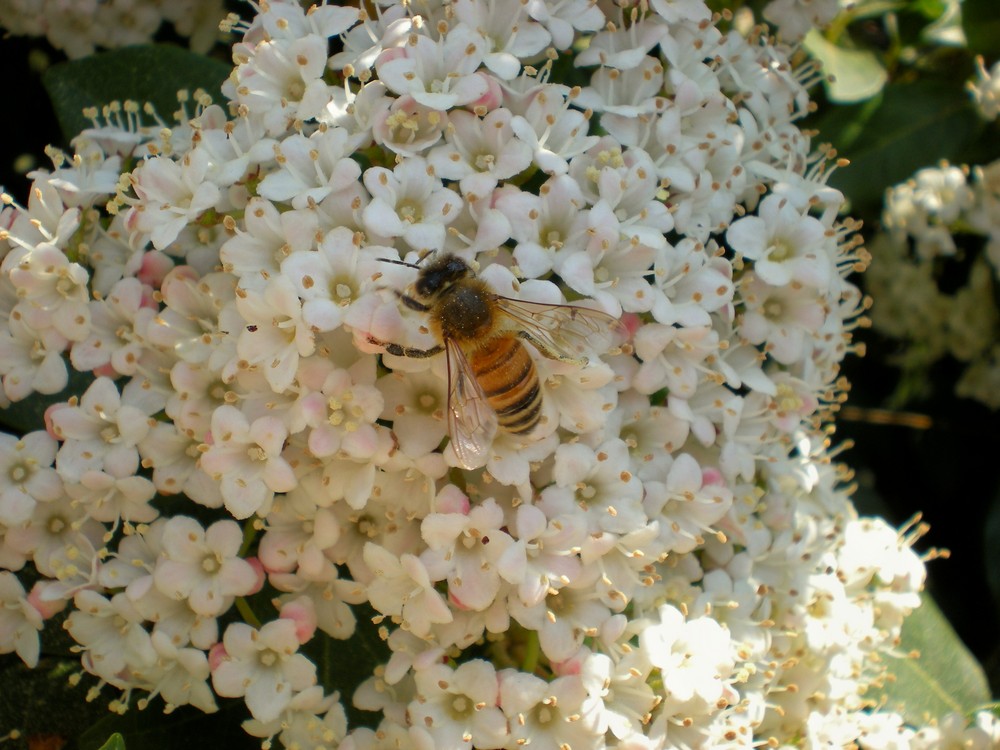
{"x":492,"y":380}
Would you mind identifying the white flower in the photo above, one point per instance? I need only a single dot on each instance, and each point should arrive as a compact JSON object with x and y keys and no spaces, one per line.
{"x":255,"y":253}
{"x":311,"y":168}
{"x":781,"y":318}
{"x":171,"y":196}
{"x":547,"y":714}
{"x":599,"y":481}
{"x":19,"y":621}
{"x":439,"y":74}
{"x":203,"y":566}
{"x":693,"y":658}
{"x":181,"y":675}
{"x":53,"y":289}
{"x":402,"y":589}
{"x":784,"y":244}
{"x":986,"y":89}
{"x":26,"y":475}
{"x":458,"y":708}
{"x":276,"y":336}
{"x":546,"y":227}
{"x":467,"y":549}
{"x":409,"y":202}
{"x":111,"y":635}
{"x":479,"y":152}
{"x":282,"y":80}
{"x":31,"y":361}
{"x":263,"y":667}
{"x":406,"y":126}
{"x":99,"y":434}
{"x":246,"y":457}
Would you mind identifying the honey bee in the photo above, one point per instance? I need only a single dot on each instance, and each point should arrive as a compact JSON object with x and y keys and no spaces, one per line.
{"x":492,"y":380}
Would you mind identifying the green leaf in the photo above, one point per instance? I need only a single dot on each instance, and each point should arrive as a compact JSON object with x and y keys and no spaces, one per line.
{"x":343,"y":665}
{"x":115,"y":742}
{"x":942,"y":678}
{"x":981,"y":23}
{"x":151,"y":73}
{"x":890,"y":137}
{"x":183,"y":729}
{"x":854,"y":75}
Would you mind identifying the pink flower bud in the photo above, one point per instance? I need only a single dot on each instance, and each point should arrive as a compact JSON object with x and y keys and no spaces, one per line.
{"x":712,"y":476}
{"x":302,"y":612}
{"x":49,"y":427}
{"x":46,"y":608}
{"x":451,"y":500}
{"x":154,"y":269}
{"x":493,"y":97}
{"x":258,"y":568}
{"x":105,"y":371}
{"x":216,"y":655}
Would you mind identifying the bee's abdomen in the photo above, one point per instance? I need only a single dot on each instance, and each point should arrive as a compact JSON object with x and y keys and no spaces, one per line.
{"x":507,"y":375}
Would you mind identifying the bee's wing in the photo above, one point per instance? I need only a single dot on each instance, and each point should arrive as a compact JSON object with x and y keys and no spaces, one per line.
{"x":472,"y":423}
{"x":564,"y":332}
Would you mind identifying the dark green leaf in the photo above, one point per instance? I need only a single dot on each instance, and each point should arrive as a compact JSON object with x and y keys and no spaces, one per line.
{"x":42,"y":703}
{"x":981,"y":23}
{"x":991,"y":550}
{"x":115,"y":742}
{"x":343,"y":665}
{"x":891,"y":136}
{"x":152,"y":73}
{"x":183,"y":729}
{"x":942,"y":678}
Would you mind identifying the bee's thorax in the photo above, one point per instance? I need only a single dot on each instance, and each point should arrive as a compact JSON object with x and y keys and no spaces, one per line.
{"x":464,"y":311}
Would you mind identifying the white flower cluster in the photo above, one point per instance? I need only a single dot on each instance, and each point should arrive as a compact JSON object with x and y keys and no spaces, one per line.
{"x":922,"y":219}
{"x":985,"y":89}
{"x":671,"y":559}
{"x":79,"y":27}
{"x":796,"y":18}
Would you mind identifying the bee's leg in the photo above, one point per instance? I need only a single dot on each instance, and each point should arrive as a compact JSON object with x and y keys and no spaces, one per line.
{"x":411,"y":303}
{"x":403,"y":351}
{"x":549,"y":352}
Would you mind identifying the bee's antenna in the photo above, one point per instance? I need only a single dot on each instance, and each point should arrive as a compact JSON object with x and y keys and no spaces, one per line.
{"x":398,"y":262}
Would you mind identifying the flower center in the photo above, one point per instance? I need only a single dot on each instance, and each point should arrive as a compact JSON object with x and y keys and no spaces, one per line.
{"x":460,"y":707}
{"x":342,"y":291}
{"x":485,"y":162}
{"x":410,"y":212}
{"x":21,"y":472}
{"x":343,"y":413}
{"x":781,"y":251}
{"x":774,"y":310}
{"x":269,"y":657}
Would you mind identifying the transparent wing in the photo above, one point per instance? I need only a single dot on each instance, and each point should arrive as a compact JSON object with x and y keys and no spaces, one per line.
{"x":564,"y":332}
{"x":472,"y":423}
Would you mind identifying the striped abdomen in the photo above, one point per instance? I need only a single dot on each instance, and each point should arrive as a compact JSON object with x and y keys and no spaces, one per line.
{"x":507,"y":375}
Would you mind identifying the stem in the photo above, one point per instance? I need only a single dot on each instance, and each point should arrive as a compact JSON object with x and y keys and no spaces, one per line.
{"x":531,"y":652}
{"x":249,"y":534}
{"x":248,"y":614}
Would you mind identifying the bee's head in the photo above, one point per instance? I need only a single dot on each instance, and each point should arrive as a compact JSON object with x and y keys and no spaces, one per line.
{"x":440,"y":273}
